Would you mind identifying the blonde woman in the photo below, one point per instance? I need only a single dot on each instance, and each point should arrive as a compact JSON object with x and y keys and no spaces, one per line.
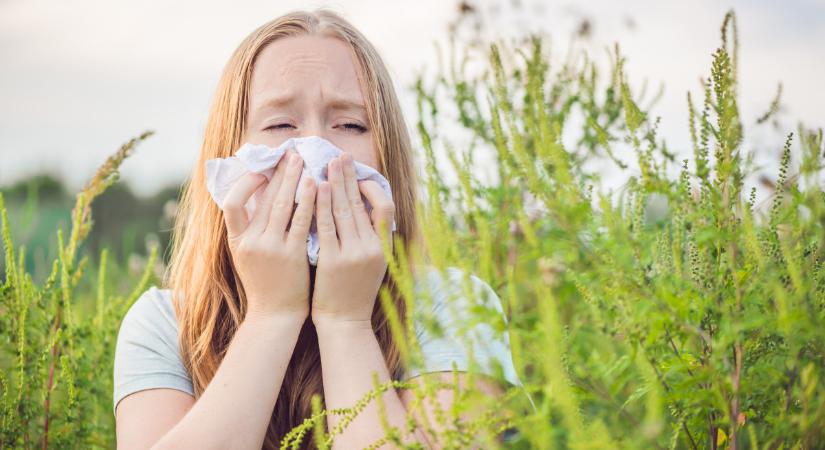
{"x":230,"y":354}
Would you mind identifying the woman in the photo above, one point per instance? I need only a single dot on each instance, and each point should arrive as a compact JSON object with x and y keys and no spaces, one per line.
{"x":253,"y":330}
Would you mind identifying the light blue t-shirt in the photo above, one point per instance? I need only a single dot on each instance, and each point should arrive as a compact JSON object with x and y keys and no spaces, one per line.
{"x":147,"y":353}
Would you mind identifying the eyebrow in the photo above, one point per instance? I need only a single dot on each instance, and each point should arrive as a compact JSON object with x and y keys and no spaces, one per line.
{"x":345,"y":103}
{"x":336,"y":102}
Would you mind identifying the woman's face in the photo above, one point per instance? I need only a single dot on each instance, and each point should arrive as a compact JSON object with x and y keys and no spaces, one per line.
{"x":308,"y":85}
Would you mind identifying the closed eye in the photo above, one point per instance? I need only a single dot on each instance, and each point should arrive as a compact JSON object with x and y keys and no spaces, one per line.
{"x":355,"y":127}
{"x":278,"y":126}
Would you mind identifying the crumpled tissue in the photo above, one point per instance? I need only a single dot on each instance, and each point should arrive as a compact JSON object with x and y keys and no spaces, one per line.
{"x":222,"y":173}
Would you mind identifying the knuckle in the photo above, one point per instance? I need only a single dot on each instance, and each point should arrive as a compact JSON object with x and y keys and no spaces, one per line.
{"x":351,"y":258}
{"x":251,"y":180}
{"x":342,"y":212}
{"x":275,"y":181}
{"x":272,"y":185}
{"x":281,"y":203}
{"x":243,"y":250}
{"x":253,"y":252}
{"x":234,"y":242}
{"x":326,"y":227}
{"x":300,"y":220}
{"x":386,"y":208}
{"x":231,"y":206}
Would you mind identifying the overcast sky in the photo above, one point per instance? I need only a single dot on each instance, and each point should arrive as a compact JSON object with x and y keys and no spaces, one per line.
{"x":79,"y":78}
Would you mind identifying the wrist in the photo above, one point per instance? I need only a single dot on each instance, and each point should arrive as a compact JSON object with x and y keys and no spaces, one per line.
{"x":275,"y":319}
{"x":276,"y":330}
{"x":338,"y":325}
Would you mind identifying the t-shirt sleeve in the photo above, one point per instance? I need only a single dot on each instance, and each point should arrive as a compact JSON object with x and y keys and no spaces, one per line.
{"x":147,"y":354}
{"x":461,"y":329}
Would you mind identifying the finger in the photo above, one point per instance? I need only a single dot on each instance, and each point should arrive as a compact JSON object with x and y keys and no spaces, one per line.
{"x":302,"y":218}
{"x":341,"y":212}
{"x":323,"y":218}
{"x":261,"y":218}
{"x":383,"y":208}
{"x":234,"y":212}
{"x":362,"y":219}
{"x":285,"y":200}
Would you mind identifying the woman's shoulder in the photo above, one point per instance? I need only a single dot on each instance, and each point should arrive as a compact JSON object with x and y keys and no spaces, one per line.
{"x":459,"y":319}
{"x":153,"y":316}
{"x":154,"y":308}
{"x":454,"y":293}
{"x":447,"y":278}
{"x":147,"y":354}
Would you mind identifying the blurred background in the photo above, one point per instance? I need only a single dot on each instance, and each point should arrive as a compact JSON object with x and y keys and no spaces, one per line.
{"x":80,"y":78}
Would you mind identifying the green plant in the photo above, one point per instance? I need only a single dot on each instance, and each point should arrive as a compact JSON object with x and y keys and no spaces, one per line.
{"x":695,"y":324}
{"x":678,"y":312}
{"x":56,"y":381}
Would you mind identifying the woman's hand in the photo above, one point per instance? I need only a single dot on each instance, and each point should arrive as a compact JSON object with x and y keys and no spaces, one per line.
{"x":271,"y":261}
{"x":351,"y":265}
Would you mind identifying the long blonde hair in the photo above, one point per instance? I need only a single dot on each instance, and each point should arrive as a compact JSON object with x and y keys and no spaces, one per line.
{"x":208,"y":297}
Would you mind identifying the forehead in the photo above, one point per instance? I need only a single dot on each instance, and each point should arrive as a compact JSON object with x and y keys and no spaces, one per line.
{"x":313,"y":65}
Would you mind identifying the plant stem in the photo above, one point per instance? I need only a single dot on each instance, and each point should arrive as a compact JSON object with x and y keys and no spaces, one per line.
{"x":49,"y":385}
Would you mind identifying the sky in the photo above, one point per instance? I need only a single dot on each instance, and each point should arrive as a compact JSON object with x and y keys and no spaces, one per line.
{"x":79,"y":78}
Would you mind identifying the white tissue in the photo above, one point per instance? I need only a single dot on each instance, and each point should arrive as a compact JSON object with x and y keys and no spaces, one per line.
{"x":222,"y":173}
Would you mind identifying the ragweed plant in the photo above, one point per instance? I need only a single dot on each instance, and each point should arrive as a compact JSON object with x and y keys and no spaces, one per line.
{"x":679,"y":312}
{"x":56,"y":382}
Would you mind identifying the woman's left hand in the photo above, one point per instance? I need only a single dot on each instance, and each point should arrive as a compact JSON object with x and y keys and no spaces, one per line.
{"x":351,"y":265}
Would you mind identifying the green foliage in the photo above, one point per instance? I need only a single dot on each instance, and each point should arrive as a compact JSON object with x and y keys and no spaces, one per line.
{"x":56,"y":383}
{"x":694,"y":325}
{"x":675,"y":313}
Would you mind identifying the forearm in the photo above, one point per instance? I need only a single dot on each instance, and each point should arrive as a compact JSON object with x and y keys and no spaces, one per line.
{"x":236,"y":407}
{"x":350,"y":353}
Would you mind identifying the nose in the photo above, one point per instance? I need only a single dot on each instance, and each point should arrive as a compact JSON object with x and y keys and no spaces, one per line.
{"x":315,"y":127}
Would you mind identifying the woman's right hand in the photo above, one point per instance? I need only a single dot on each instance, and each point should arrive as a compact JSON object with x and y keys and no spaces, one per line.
{"x":270,"y":260}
